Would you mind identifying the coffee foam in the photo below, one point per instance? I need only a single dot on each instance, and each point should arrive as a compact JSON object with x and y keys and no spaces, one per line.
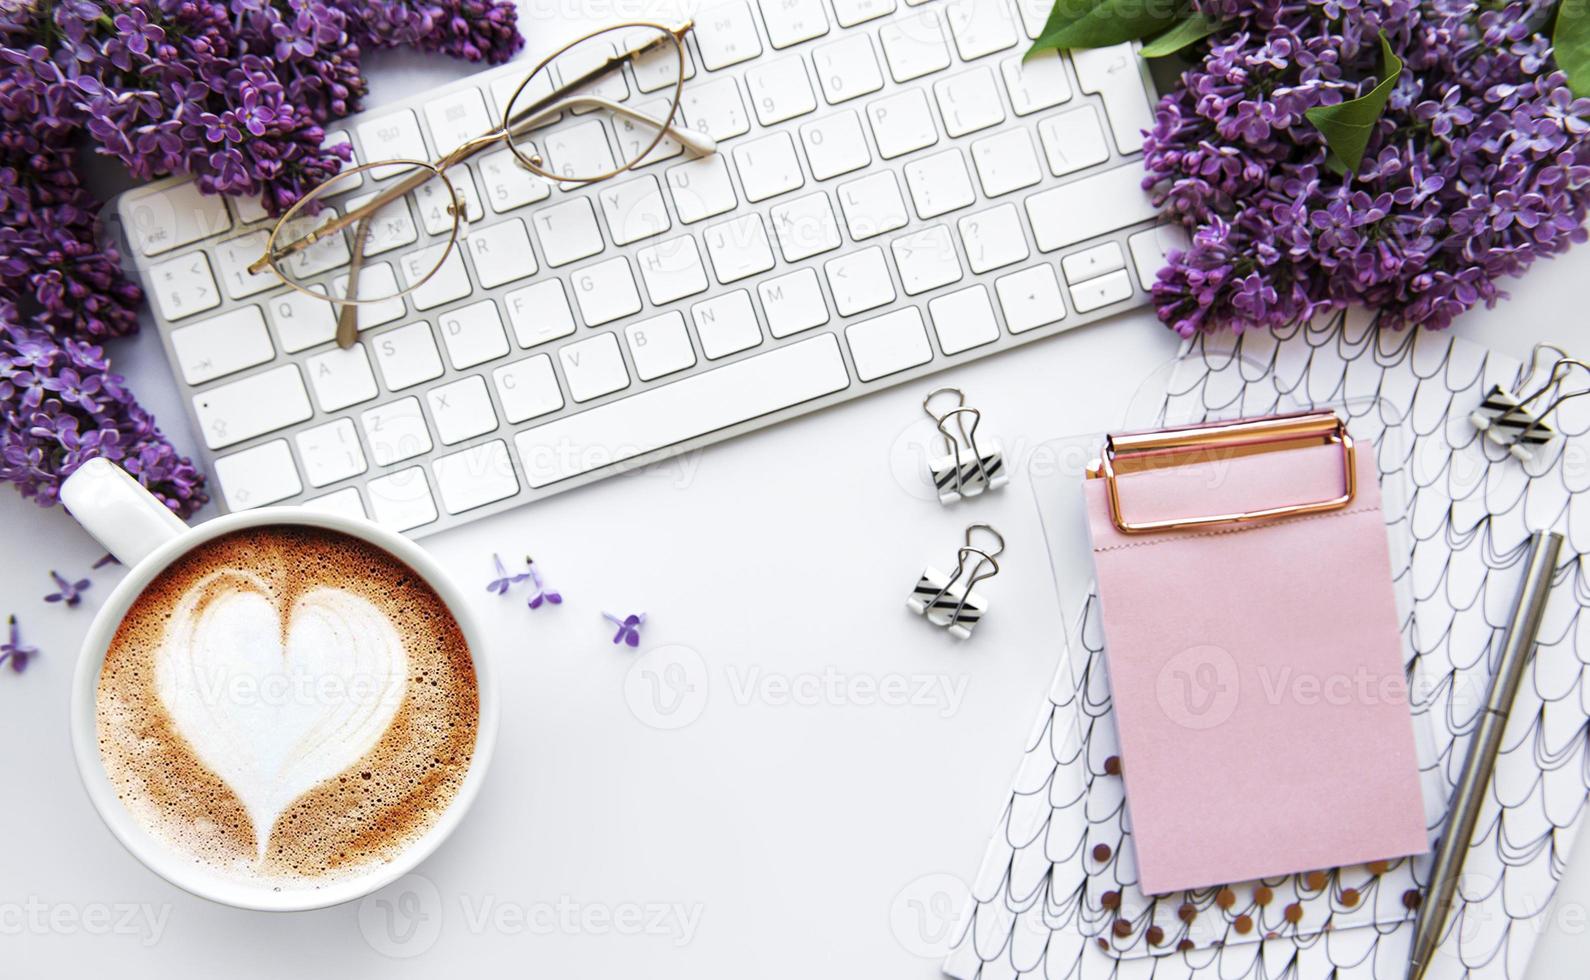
{"x":288,"y":705}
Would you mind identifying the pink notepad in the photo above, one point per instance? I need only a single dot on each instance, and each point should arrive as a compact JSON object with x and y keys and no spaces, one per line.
{"x":1257,"y":673}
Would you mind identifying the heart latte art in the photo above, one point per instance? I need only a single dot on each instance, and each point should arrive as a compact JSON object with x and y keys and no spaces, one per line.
{"x":287,"y":704}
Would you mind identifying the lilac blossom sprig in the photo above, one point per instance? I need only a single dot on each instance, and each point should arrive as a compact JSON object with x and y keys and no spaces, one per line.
{"x":61,"y":405}
{"x":1479,"y":166}
{"x":14,"y":651}
{"x":67,"y":590}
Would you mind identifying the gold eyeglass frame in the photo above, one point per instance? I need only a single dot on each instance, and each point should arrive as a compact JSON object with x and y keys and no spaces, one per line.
{"x":505,"y":132}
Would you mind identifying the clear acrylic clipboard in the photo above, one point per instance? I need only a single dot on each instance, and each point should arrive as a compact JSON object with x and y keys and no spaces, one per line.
{"x":1112,"y":910}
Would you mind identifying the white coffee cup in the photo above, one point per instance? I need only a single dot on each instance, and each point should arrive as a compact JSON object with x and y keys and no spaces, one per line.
{"x":147,"y":538}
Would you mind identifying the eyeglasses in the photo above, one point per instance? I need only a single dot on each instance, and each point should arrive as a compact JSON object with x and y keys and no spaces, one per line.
{"x":567,"y":121}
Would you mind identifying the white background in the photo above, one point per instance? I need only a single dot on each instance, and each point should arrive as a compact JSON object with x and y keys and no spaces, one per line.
{"x":772,"y":835}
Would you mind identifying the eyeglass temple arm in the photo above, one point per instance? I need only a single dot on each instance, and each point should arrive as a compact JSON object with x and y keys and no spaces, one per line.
{"x":693,"y":140}
{"x":348,"y":313}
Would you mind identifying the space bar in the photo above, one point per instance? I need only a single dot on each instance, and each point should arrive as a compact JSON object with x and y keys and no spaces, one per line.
{"x":682,"y":410}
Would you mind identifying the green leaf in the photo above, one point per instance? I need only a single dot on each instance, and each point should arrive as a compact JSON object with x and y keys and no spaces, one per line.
{"x":1570,"y":41}
{"x":1348,"y":126}
{"x":1192,"y":28}
{"x":1101,"y":23}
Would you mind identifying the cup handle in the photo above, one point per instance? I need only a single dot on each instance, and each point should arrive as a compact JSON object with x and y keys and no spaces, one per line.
{"x":123,"y":516}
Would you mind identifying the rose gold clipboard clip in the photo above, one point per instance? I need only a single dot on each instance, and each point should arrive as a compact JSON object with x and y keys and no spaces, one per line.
{"x":1138,"y":451}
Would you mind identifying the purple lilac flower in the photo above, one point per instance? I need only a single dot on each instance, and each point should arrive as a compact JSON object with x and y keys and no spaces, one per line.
{"x":628,"y":627}
{"x":66,"y":590}
{"x":1480,"y":165}
{"x":13,"y":650}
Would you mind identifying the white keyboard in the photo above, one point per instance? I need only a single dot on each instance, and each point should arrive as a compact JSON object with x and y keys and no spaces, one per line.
{"x":895,"y":192}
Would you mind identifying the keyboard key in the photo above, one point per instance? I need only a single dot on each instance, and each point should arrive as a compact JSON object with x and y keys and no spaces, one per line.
{"x":224,"y":343}
{"x":394,"y":136}
{"x":1092,"y":262}
{"x":873,"y":205}
{"x":348,"y":182}
{"x":1101,"y":291}
{"x":234,"y":256}
{"x":849,"y":13}
{"x":402,"y":501}
{"x":1073,"y":140}
{"x":261,"y":403}
{"x":593,"y":367}
{"x":258,"y":476}
{"x":969,"y":102}
{"x":1150,"y":248}
{"x":327,"y":253}
{"x":504,"y":87}
{"x":926,"y":259}
{"x":527,"y":388}
{"x":726,"y":324}
{"x":1034,"y":14}
{"x":792,"y":303}
{"x":461,"y":410}
{"x":768,"y":167}
{"x":859,"y":281}
{"x":835,"y":145}
{"x":248,"y":209}
{"x":847,"y":69}
{"x":1030,"y":298}
{"x":714,"y":107}
{"x":1006,"y":161}
{"x":390,"y":227}
{"x":889,"y":343}
{"x":739,"y":248}
{"x":672,"y":269}
{"x":396,"y":431}
{"x":475,"y":477}
{"x":407,"y":355}
{"x":673,"y":413}
{"x":376,"y":280}
{"x":805,"y":227}
{"x":793,"y":21}
{"x":660,"y":69}
{"x":980,"y":26}
{"x":183,"y":286}
{"x":567,"y":231}
{"x":640,"y":141}
{"x":501,"y":253}
{"x":1039,"y":82}
{"x":300,"y":321}
{"x":993,"y":238}
{"x":172,"y":217}
{"x":580,"y":59}
{"x":963,"y":319}
{"x":331,"y":452}
{"x":726,"y":36}
{"x":780,"y":90}
{"x":902,"y":123}
{"x":345,"y":503}
{"x":660,"y":346}
{"x":634,"y":209}
{"x":914,"y":46}
{"x":701,"y":188}
{"x":457,"y":117}
{"x":437,"y":207}
{"x":939,"y":183}
{"x":539,"y":313}
{"x":435,"y":284}
{"x":1115,"y":76}
{"x":1089,"y":207}
{"x":578,"y":149}
{"x":473,"y":334}
{"x":606,"y":291}
{"x":341,"y":378}
{"x":510,"y":184}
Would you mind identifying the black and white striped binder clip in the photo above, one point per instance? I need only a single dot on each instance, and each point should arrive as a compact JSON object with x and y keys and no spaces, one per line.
{"x":967,"y":466}
{"x":1511,"y":418}
{"x":950,"y":601}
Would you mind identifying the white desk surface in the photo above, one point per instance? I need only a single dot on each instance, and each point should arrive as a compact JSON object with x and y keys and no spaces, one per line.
{"x":804,"y":822}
